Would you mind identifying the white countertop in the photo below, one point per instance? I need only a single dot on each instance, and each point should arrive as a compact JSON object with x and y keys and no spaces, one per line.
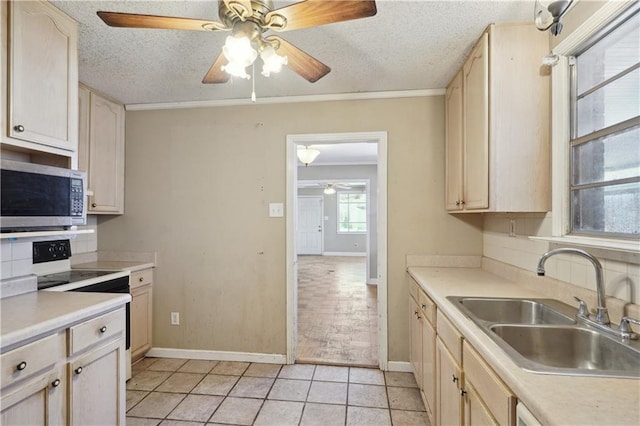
{"x":31,"y":315}
{"x":553,"y":399}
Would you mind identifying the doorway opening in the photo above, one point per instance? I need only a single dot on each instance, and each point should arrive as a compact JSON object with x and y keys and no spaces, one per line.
{"x":336,"y":250}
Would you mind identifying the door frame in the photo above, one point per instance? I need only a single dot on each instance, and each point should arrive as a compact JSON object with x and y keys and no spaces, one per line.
{"x":321,"y":220}
{"x":292,"y":141}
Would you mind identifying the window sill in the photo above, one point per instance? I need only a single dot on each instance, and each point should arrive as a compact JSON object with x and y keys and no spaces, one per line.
{"x":620,"y":250}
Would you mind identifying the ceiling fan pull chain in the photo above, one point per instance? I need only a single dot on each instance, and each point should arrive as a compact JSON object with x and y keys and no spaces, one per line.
{"x":253,"y":82}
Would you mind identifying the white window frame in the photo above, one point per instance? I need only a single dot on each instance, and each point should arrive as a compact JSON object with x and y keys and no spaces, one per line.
{"x":366,"y":206}
{"x":561,"y":132}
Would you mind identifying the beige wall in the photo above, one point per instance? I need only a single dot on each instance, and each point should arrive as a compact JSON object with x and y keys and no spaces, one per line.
{"x":198,"y":183}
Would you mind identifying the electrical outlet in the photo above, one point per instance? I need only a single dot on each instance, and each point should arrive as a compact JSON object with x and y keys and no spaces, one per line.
{"x":512,"y":227}
{"x":175,"y":318}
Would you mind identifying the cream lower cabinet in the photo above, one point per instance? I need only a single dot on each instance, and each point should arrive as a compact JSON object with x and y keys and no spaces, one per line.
{"x":39,"y":401}
{"x":458,"y":386}
{"x":448,"y":387}
{"x":101,"y":151}
{"x":141,"y":312}
{"x":497,"y":125}
{"x":97,"y":386}
{"x":422,"y":355}
{"x":44,"y":384}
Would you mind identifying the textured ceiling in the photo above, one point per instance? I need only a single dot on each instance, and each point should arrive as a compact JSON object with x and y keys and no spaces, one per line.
{"x":408,"y":45}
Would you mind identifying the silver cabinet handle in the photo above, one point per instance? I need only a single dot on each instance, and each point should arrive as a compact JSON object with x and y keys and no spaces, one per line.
{"x":55,"y":383}
{"x":140,"y":279}
{"x":457,"y":203}
{"x":103,"y":329}
{"x":94,"y":205}
{"x":463,"y":392}
{"x":18,"y":128}
{"x":21,"y":366}
{"x":78,"y":370}
{"x":454,"y":378}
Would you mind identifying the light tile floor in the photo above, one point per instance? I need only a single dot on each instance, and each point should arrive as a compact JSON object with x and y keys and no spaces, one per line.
{"x":195,"y":392}
{"x":337,"y":312}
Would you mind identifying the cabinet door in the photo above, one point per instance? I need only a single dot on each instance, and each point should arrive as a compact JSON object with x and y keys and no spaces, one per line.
{"x":106,"y":156}
{"x":43,"y":75}
{"x":84,"y":109}
{"x":39,"y":401}
{"x":448,"y":386}
{"x":476,"y":126}
{"x":475,"y":412}
{"x":416,"y":342}
{"x":97,"y":379}
{"x":428,"y":365}
{"x":141,"y":299}
{"x":453,"y":145}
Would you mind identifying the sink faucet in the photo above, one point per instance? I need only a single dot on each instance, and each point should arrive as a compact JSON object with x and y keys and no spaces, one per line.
{"x":602,"y":317}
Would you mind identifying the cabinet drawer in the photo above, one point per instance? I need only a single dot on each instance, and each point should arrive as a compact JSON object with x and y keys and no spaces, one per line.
{"x":495,"y":394}
{"x":450,"y":336}
{"x":427,"y":306}
{"x":31,"y":358}
{"x":97,"y":330}
{"x":140,"y":278}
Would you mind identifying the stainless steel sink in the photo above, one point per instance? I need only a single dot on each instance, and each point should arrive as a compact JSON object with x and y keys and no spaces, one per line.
{"x":568,"y":350}
{"x":515,"y":311}
{"x":542,"y":336}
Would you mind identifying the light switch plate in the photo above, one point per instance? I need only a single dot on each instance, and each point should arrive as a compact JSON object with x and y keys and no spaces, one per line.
{"x":276,"y":210}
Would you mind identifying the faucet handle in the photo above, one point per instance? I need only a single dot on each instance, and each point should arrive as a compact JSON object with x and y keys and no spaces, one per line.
{"x":583,"y":310}
{"x":625,"y":328}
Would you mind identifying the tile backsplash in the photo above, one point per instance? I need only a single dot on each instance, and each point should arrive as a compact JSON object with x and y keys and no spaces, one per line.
{"x":16,"y":255}
{"x":622,"y":279}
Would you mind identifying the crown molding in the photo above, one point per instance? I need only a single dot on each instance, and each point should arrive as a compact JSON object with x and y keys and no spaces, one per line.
{"x":289,"y":99}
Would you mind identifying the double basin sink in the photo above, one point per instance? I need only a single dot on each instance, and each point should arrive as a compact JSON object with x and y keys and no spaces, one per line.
{"x":542,"y":336}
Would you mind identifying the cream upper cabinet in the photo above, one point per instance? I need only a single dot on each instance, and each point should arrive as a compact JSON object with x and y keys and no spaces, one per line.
{"x":475,"y":80}
{"x":454,"y":135}
{"x":41,"y":90}
{"x":499,"y":137}
{"x":101,"y":151}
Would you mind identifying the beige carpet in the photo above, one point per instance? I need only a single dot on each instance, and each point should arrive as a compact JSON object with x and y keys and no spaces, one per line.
{"x":337,"y":312}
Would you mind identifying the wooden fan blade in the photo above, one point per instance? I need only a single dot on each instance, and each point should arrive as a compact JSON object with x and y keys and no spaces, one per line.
{"x":132,"y":20}
{"x":301,"y":62}
{"x":215,"y":74}
{"x":312,"y":13}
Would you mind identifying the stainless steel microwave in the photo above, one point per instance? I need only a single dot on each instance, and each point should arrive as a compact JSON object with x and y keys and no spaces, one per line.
{"x":36,"y":197}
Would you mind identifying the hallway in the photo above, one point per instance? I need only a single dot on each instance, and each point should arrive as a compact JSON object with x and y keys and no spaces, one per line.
{"x":337,"y":312}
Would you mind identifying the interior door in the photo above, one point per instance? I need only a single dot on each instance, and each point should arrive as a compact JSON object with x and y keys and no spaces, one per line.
{"x":309,"y":232}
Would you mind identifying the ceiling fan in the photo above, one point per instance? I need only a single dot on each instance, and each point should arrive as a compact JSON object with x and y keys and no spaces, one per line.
{"x":248,"y":20}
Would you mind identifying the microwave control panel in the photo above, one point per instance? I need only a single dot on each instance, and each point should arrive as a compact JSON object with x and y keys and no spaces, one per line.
{"x":77,"y":197}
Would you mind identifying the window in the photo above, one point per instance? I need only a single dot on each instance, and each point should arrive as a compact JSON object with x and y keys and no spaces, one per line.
{"x":605,"y":134}
{"x":352,"y":212}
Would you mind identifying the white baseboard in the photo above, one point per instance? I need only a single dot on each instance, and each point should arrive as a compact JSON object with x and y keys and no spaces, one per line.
{"x":372,"y":281}
{"x":217,"y":355}
{"x":345,"y":253}
{"x":399,"y":366}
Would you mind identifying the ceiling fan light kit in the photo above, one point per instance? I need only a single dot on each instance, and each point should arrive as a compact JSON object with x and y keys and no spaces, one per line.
{"x":249,"y":20}
{"x":329,"y":190}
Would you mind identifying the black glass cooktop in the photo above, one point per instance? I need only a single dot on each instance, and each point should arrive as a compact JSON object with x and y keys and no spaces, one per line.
{"x":70,"y":276}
